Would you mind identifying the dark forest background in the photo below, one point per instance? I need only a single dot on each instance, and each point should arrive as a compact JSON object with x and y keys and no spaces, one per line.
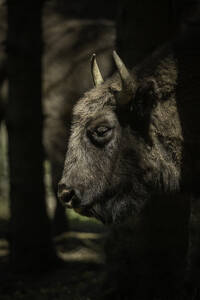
{"x":45,"y":50}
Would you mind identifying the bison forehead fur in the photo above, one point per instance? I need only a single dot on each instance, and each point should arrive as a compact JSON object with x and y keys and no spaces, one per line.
{"x":119,"y":155}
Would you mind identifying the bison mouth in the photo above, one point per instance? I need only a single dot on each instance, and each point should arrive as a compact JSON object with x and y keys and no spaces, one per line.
{"x":87,"y":206}
{"x":87,"y":211}
{"x":70,"y":200}
{"x":84,"y":210}
{"x":91,"y":212}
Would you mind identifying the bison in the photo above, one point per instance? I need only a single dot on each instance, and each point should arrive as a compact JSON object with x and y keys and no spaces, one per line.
{"x":126,"y":141}
{"x":133,"y":153}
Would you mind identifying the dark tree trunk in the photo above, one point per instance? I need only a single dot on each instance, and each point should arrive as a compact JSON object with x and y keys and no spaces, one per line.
{"x":142,"y":25}
{"x":3,"y":63}
{"x":31,"y":244}
{"x":3,"y":74}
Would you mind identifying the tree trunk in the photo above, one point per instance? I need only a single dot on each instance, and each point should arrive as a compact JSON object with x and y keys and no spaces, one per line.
{"x":3,"y":64}
{"x":31,"y":245}
{"x":142,"y":25}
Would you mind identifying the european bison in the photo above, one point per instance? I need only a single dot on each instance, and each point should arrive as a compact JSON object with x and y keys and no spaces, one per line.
{"x":134,"y":152}
{"x":126,"y":141}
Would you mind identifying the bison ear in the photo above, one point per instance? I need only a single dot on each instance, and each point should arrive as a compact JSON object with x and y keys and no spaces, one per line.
{"x":128,"y":90}
{"x":96,"y":74}
{"x":147,"y":95}
{"x":145,"y":100}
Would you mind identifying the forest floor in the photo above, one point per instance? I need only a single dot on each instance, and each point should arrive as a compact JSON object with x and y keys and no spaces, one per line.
{"x":78,"y":277}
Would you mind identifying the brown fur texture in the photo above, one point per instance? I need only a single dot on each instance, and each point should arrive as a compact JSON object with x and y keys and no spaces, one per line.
{"x":137,"y":165}
{"x":145,"y":152}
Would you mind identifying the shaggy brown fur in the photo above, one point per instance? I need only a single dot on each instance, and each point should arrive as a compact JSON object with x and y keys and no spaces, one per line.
{"x":144,"y":154}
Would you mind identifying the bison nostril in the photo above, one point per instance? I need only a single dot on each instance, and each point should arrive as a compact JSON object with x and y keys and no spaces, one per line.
{"x":65,"y":194}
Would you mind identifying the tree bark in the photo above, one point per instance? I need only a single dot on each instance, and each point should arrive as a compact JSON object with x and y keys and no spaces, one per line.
{"x":31,"y":245}
{"x":3,"y":60}
{"x":142,"y":25}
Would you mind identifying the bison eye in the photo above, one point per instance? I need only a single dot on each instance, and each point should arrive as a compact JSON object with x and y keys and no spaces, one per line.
{"x":100,"y":135}
{"x":101,"y":131}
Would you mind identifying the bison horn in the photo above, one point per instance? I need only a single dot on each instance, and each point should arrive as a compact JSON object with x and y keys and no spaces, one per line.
{"x":96,"y":74}
{"x":128,"y":89}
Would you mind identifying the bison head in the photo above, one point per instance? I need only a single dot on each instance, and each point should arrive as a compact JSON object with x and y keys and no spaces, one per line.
{"x":125,"y":143}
